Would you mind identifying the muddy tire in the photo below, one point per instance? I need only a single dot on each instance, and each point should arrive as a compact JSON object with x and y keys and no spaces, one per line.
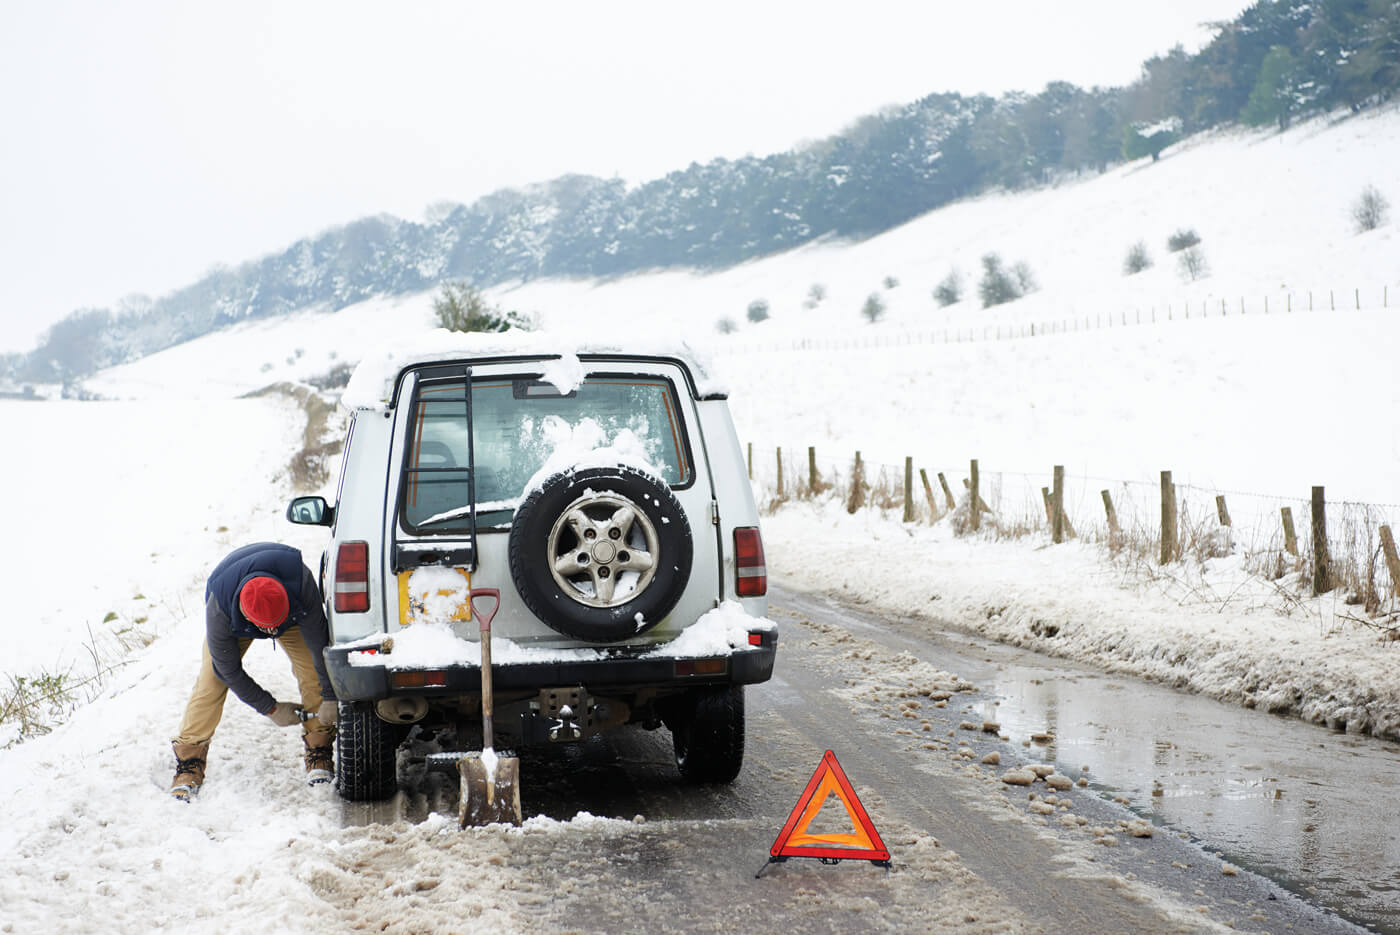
{"x":366,"y":763}
{"x":601,"y":554}
{"x":707,"y":732}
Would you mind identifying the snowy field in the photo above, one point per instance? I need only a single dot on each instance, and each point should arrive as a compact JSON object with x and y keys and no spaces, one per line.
{"x":119,"y":508}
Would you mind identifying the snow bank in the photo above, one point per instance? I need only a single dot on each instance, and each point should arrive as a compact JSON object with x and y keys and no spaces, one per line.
{"x":1210,"y":629}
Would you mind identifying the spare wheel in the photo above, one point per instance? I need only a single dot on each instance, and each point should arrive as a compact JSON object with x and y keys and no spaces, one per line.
{"x":600,"y":554}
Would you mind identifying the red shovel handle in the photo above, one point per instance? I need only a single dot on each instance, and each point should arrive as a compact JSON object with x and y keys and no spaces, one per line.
{"x":482,"y":615}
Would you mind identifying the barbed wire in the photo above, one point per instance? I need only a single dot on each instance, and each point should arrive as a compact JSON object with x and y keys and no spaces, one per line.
{"x":797,"y":467}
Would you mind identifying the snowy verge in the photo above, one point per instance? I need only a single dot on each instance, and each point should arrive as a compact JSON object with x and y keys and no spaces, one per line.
{"x":1211,"y":629}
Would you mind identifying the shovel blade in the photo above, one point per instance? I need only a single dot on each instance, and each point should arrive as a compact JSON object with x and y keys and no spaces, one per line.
{"x":490,"y":790}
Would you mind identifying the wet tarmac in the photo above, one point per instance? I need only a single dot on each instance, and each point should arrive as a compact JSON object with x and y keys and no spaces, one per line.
{"x":1311,"y":808}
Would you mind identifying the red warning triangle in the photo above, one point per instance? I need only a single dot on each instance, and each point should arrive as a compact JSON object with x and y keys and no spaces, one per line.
{"x":796,"y":841}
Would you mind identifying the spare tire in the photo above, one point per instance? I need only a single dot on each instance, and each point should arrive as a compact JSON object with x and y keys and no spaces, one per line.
{"x":600,"y":554}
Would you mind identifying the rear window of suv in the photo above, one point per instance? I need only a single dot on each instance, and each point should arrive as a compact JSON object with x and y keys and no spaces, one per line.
{"x":516,"y":425}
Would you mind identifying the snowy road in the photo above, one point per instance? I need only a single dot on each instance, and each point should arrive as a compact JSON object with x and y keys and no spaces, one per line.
{"x":970,"y":853}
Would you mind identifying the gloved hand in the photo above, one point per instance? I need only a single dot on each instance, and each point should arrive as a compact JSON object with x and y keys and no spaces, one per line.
{"x":285,"y":714}
{"x":328,"y":712}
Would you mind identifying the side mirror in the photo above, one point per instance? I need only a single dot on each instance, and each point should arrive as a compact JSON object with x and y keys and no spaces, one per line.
{"x":310,"y":511}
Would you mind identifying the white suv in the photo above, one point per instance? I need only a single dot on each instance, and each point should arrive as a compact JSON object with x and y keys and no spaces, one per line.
{"x":602,"y":493}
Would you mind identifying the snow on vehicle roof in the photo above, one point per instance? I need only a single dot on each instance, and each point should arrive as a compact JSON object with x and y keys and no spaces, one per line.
{"x":371,"y":385}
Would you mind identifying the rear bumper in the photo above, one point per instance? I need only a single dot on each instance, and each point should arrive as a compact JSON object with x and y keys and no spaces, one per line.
{"x":745,"y":666}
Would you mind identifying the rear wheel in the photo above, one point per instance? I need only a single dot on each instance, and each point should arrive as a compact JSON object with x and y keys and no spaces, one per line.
{"x":366,"y":767}
{"x":707,"y":732}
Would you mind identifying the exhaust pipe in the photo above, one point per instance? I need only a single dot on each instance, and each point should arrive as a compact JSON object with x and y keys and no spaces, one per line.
{"x":402,"y":710}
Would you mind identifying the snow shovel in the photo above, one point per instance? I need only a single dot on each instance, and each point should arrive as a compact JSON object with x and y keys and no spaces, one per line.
{"x":490,"y":783}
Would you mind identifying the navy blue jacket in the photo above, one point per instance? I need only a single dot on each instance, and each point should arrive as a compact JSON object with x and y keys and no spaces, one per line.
{"x":225,"y":625}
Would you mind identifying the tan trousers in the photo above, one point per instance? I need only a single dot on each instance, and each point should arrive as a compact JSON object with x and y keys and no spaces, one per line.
{"x":206,"y":705}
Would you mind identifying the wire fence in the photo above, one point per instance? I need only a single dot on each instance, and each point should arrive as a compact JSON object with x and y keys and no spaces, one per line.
{"x":1287,"y":303}
{"x":1119,"y":514}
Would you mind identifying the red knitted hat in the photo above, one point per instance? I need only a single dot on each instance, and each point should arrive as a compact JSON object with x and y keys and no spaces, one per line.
{"x":263,"y":601}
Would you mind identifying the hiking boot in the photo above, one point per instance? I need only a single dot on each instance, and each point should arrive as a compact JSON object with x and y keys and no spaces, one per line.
{"x":320,"y":764}
{"x":189,"y":769}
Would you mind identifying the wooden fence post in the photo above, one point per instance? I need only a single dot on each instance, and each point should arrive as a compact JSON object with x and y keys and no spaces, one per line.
{"x":1392,"y":560}
{"x":814,"y":479}
{"x":1221,"y":511}
{"x":974,"y":500}
{"x":928,"y":492}
{"x":908,"y":489}
{"x":1057,"y":523}
{"x":1290,"y":535}
{"x":780,"y":473}
{"x":1168,"y":553}
{"x":1322,"y":562}
{"x":947,"y":492}
{"x":1114,"y":532}
{"x":856,"y":498}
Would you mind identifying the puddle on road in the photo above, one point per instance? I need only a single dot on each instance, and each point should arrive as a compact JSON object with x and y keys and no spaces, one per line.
{"x":1309,"y":807}
{"x":1289,"y":799}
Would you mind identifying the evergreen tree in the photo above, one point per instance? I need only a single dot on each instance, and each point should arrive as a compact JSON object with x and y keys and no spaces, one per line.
{"x":1273,"y":97}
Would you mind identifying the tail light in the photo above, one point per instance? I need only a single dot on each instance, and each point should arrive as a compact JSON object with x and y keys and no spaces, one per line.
{"x":751,"y":572}
{"x":352,"y":578}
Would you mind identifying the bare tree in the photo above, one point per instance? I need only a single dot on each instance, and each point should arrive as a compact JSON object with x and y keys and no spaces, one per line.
{"x":1370,"y":210}
{"x":1192,"y":263}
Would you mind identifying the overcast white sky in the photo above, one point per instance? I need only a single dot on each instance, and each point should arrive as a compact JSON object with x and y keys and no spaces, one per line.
{"x":144,"y":142}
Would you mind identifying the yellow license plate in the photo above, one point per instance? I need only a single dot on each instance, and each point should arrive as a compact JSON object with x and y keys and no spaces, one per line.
{"x":434,"y":594}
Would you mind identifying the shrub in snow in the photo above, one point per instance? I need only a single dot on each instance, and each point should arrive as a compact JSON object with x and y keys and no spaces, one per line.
{"x":1219,"y":542}
{"x":891,"y":282}
{"x":949,"y":291}
{"x":1137,"y":259}
{"x":815,"y":295}
{"x":1192,"y":263}
{"x":758,"y":310}
{"x":1142,"y":140}
{"x":1000,"y":285}
{"x":874,"y":308}
{"x":1370,"y":210}
{"x":462,"y":307}
{"x":726,"y":326}
{"x":1183,"y":239}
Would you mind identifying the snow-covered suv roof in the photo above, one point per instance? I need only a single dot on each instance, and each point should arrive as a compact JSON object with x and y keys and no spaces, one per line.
{"x":373,"y":382}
